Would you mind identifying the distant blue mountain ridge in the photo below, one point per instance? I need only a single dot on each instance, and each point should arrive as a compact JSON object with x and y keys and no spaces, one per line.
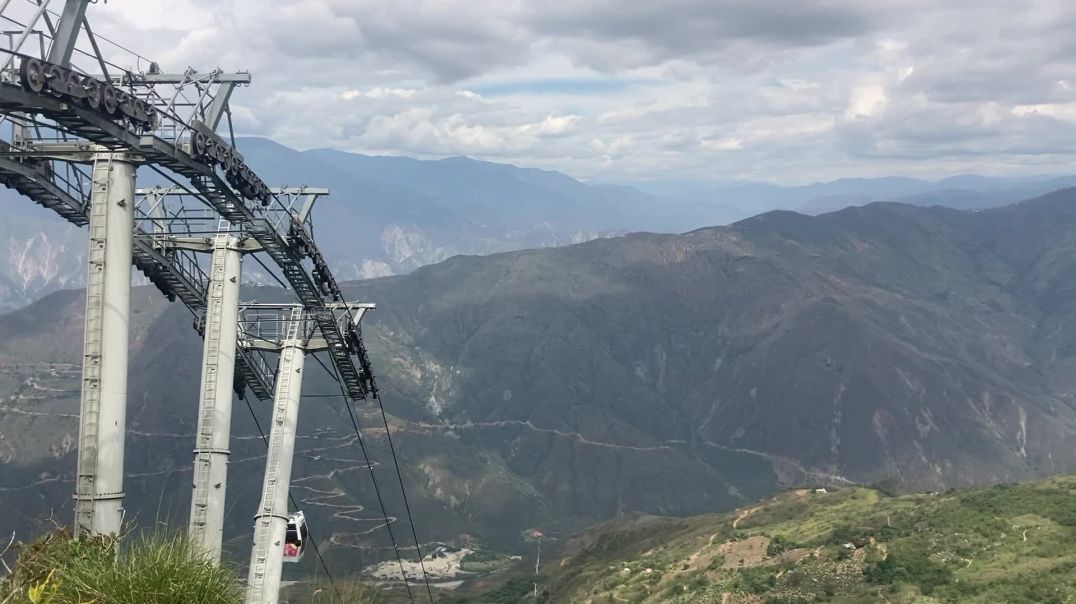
{"x":389,"y":215}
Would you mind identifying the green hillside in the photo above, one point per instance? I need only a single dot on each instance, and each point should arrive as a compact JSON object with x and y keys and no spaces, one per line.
{"x":1008,"y":543}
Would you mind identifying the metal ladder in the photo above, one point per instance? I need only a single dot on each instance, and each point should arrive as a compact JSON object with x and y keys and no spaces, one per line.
{"x":89,"y":415}
{"x":272,"y":462}
{"x":206,"y":426}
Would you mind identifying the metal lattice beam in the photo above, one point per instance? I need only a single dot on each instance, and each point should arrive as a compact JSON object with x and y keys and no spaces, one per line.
{"x":287,"y":241}
{"x":176,"y":272}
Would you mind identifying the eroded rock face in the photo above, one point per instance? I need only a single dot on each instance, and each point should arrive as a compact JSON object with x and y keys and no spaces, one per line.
{"x":38,"y":259}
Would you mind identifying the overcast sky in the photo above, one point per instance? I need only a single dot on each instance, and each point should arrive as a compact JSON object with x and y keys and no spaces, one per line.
{"x":767,"y":90}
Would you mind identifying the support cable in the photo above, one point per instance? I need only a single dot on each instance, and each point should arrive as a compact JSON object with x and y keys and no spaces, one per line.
{"x":395,"y":462}
{"x":403,"y":491}
{"x":295,"y":505}
{"x":109,"y":40}
{"x":377,"y":489}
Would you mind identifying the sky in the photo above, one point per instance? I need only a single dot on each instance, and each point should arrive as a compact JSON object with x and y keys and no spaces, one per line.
{"x":712,"y":90}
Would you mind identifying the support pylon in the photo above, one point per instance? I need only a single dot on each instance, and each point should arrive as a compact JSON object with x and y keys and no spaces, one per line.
{"x":103,"y":409}
{"x":215,"y":404}
{"x":271,"y":522}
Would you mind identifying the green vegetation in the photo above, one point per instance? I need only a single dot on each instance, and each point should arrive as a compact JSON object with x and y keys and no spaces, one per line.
{"x":485,"y":561}
{"x":755,"y":580}
{"x":153,"y":570}
{"x":1010,"y":543}
{"x":511,"y":592}
{"x":779,"y":545}
{"x":913,"y":565}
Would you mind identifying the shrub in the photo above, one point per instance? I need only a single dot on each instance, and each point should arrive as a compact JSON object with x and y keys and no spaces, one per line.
{"x":716,"y":563}
{"x":755,"y":580}
{"x":843,"y":534}
{"x":779,"y":545}
{"x":698,"y":583}
{"x":911,"y":566}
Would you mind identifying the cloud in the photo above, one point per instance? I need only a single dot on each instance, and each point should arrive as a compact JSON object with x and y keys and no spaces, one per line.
{"x":795,"y":91}
{"x":700,"y":28}
{"x":378,"y":92}
{"x":730,"y":143}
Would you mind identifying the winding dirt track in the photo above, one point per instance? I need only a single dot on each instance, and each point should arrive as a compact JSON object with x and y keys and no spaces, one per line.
{"x":743,"y":514}
{"x":329,"y":498}
{"x":776,"y":459}
{"x":529,"y":426}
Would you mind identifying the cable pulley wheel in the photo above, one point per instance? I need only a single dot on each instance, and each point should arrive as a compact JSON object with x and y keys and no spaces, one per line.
{"x":32,"y":75}
{"x":110,"y":101}
{"x":198,"y":142}
{"x":92,"y":90}
{"x":74,"y":86}
{"x":54,"y":74}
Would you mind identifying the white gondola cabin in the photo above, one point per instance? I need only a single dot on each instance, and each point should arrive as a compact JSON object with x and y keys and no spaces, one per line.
{"x":296,"y":537}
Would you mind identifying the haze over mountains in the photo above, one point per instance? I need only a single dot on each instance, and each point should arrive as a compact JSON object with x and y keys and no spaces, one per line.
{"x":390,"y":215}
{"x":674,"y":374}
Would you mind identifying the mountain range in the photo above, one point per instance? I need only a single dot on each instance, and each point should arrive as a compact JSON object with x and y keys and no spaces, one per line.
{"x":386,"y":215}
{"x":916,"y":348}
{"x":964,"y":192}
{"x":390,"y":215}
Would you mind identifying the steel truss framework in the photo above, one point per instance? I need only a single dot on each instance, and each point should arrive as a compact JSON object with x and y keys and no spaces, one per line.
{"x":74,"y":126}
{"x":48,"y":129}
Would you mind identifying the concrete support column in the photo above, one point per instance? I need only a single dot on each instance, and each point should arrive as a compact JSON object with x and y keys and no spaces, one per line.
{"x":271,"y":522}
{"x":103,"y":410}
{"x":215,"y":404}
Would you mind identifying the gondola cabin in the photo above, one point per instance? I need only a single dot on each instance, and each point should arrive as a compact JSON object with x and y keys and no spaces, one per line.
{"x":296,"y":537}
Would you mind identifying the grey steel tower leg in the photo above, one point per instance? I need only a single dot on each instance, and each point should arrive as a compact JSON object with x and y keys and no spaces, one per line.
{"x":271,"y":523}
{"x":63,"y":41}
{"x":215,"y":405}
{"x":103,"y":413}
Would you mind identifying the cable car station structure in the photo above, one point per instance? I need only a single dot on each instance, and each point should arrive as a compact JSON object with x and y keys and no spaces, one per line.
{"x":74,"y":129}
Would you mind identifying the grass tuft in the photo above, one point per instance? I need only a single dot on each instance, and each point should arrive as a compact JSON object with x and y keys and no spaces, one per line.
{"x":155,"y":569}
